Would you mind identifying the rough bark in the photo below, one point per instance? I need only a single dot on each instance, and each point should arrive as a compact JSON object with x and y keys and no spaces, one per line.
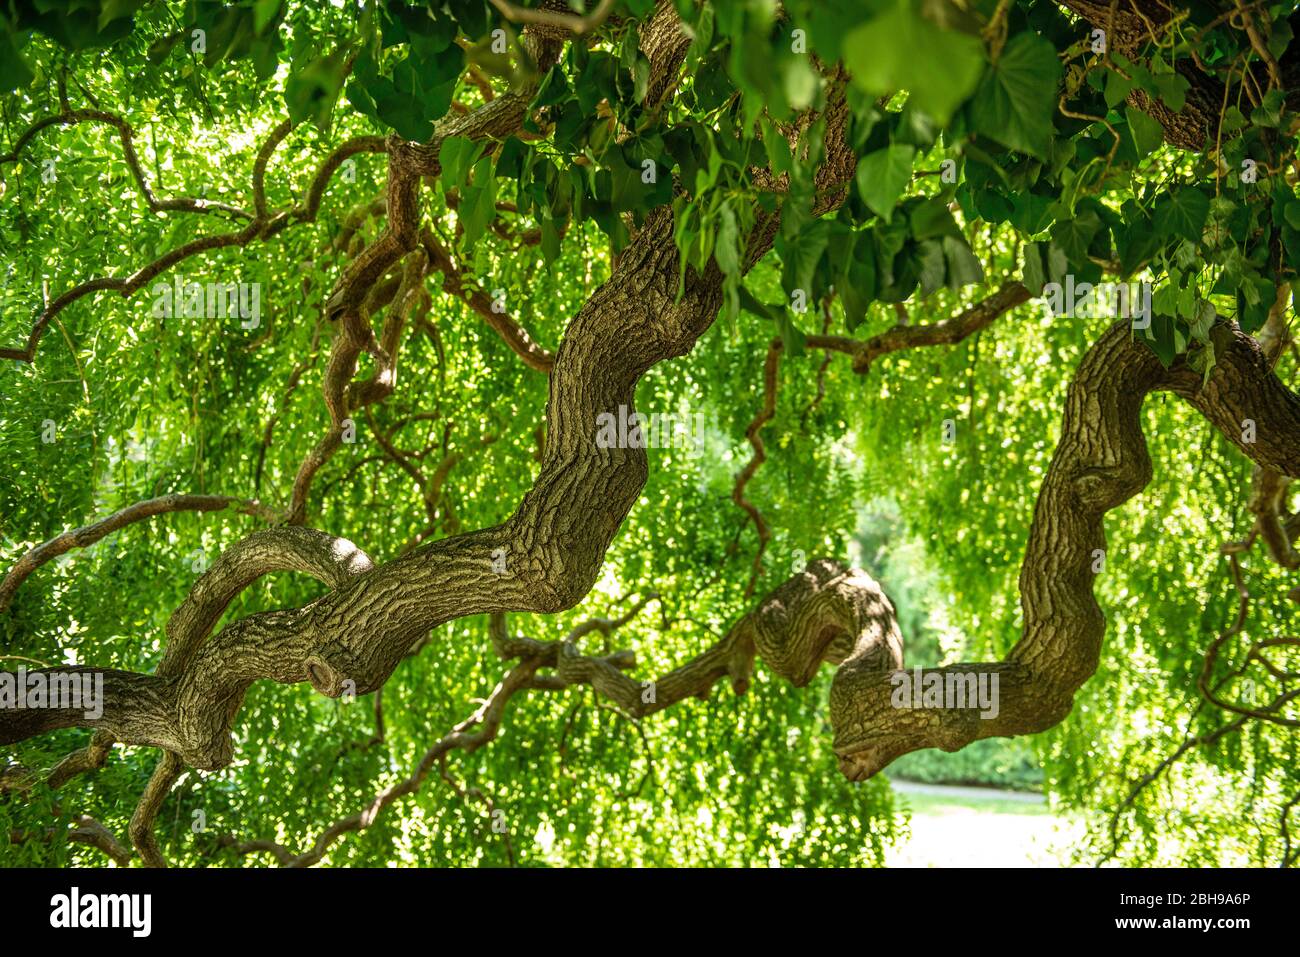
{"x":1133,"y":25}
{"x":553,"y":544}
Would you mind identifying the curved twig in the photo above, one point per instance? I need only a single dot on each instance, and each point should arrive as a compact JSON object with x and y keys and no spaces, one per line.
{"x":89,"y":534}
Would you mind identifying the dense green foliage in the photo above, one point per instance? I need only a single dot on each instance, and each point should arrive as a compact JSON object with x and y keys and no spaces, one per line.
{"x":993,"y":144}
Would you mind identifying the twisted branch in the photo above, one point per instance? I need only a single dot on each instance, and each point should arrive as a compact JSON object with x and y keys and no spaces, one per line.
{"x":87,"y":535}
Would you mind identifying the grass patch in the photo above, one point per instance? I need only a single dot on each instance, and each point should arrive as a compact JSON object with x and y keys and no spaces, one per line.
{"x":965,"y":829}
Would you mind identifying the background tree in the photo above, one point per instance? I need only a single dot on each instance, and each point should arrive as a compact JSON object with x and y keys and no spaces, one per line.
{"x":346,"y":291}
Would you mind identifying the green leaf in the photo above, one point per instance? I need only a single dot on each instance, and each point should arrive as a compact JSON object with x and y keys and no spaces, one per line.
{"x":1173,"y":89}
{"x":902,"y":50}
{"x":456,"y":154}
{"x":553,"y":89}
{"x":1182,"y":212}
{"x":932,"y":267}
{"x":112,"y":10}
{"x":1161,"y":339}
{"x":963,"y":268}
{"x":932,"y":218}
{"x":791,"y":336}
{"x":472,"y":15}
{"x":800,"y":256}
{"x":264,"y":11}
{"x":1137,"y":245}
{"x":1056,"y":262}
{"x":1016,"y":101}
{"x":726,"y":248}
{"x":990,"y":205}
{"x":1203,"y":317}
{"x":1033,"y":273}
{"x":1254,"y":301}
{"x":478,"y":202}
{"x":1269,"y":113}
{"x":800,"y":82}
{"x":883,"y":175}
{"x":628,"y":183}
{"x":551,"y":240}
{"x":1202,"y":360}
{"x":777,"y":148}
{"x":1117,"y":89}
{"x":1074,"y":236}
{"x":311,"y":91}
{"x":510,"y":160}
{"x":1031,"y":212}
{"x":15,"y":74}
{"x":750,"y":303}
{"x":1147,"y":133}
{"x":855,"y":276}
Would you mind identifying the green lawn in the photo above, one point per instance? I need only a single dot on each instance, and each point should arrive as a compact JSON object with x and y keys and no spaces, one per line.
{"x":963,"y":827}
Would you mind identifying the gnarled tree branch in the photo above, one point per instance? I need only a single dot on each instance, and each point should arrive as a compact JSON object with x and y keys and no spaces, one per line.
{"x":1100,"y":462}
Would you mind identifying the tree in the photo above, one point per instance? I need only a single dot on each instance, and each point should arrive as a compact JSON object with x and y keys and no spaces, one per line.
{"x":727,"y":199}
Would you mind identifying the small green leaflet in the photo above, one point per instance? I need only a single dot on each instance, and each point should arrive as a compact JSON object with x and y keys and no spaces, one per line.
{"x":455,"y":155}
{"x":310,"y":92}
{"x":800,"y":256}
{"x":1032,"y":273}
{"x":1073,"y":236}
{"x":1043,"y":263}
{"x":264,"y":12}
{"x":882,"y":177}
{"x":1164,"y":338}
{"x":1269,"y":113}
{"x":1203,"y":319}
{"x":854,"y":259}
{"x":726,"y":248}
{"x":1147,"y":133}
{"x":791,"y":337}
{"x":478,"y":202}
{"x":1117,"y":89}
{"x":550,"y":240}
{"x":963,"y":268}
{"x":933,"y":268}
{"x":1173,"y":89}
